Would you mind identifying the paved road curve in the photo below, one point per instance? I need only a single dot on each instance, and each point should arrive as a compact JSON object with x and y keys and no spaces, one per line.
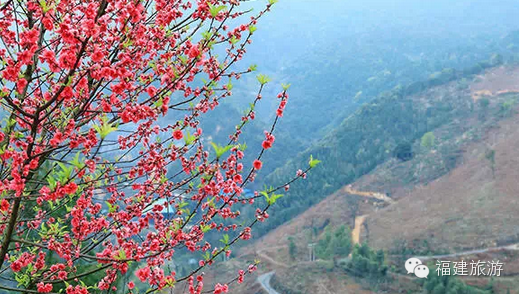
{"x":264,"y":281}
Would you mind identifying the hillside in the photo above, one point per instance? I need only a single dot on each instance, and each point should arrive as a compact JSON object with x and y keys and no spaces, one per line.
{"x":449,"y":197}
{"x":364,"y":140}
{"x":467,"y":208}
{"x":471,"y":206}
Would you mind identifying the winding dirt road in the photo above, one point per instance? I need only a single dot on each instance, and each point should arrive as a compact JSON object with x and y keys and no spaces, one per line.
{"x":355,"y":233}
{"x":383,"y":197}
{"x":359,"y":220}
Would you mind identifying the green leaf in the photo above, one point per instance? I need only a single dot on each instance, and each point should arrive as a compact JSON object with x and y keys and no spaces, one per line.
{"x":159,"y":103}
{"x":205,"y":228}
{"x":242,"y":147}
{"x":313,"y":162}
{"x":52,"y":182}
{"x":69,"y":81}
{"x":214,"y":10}
{"x":207,"y":36}
{"x":285,"y":86}
{"x":121,"y":255}
{"x":188,"y":138}
{"x":263,"y":79}
{"x":252,"y":29}
{"x":105,"y":129}
{"x":229,"y":85}
{"x":267,"y":198}
{"x":225,"y":239}
{"x":127,"y":43}
{"x":67,"y":171}
{"x":75,"y":161}
{"x":11,"y":123}
{"x":234,"y":40}
{"x":111,"y":208}
{"x":219,"y":150}
{"x":274,"y":197}
{"x":163,"y":179}
{"x":43,"y":5}
{"x":211,"y":202}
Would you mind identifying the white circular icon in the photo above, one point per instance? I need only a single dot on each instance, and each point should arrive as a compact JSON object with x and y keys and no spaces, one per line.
{"x":421,"y":271}
{"x":411,"y":263}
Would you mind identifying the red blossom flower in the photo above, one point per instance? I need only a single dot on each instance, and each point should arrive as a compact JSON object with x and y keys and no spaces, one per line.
{"x":16,"y":266}
{"x":21,"y":84}
{"x":269,"y":140}
{"x":143,"y":274}
{"x":194,"y":52}
{"x":4,"y":205}
{"x":177,"y":134}
{"x":218,"y":289}
{"x":57,"y":139}
{"x":76,"y":290}
{"x":44,"y":288}
{"x":257,"y":164}
{"x":70,"y":188}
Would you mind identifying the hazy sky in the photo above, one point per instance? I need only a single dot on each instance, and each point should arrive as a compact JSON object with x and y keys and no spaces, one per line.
{"x":331,"y":47}
{"x":297,"y":21}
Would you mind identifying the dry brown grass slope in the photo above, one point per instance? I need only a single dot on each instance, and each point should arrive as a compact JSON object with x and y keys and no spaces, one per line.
{"x":466,"y":208}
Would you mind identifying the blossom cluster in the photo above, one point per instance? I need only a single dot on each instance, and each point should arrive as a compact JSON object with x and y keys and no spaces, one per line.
{"x":105,"y":170}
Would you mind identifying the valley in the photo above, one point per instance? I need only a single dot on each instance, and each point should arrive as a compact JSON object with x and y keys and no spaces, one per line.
{"x":451,"y":200}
